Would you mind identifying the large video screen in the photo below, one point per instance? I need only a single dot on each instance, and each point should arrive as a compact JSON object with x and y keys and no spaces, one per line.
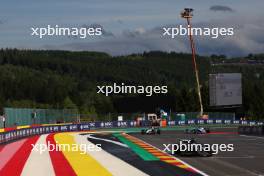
{"x":225,"y":89}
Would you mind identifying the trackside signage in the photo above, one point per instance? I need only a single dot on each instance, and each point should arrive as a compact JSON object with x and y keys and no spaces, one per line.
{"x":26,"y":132}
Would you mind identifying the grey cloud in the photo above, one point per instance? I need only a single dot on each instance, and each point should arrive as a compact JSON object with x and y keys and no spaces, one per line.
{"x":119,"y":21}
{"x":248,"y":38}
{"x":134,"y":33}
{"x":3,"y":21}
{"x":221,"y":8}
{"x":95,"y":25}
{"x":130,"y":34}
{"x":124,"y":45}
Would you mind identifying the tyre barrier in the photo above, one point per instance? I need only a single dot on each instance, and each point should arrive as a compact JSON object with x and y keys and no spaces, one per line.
{"x":251,"y":130}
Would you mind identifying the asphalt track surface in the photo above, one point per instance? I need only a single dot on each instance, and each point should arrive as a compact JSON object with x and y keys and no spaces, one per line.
{"x":132,"y":154}
{"x":247,"y":159}
{"x":122,"y":155}
{"x":151,"y":167}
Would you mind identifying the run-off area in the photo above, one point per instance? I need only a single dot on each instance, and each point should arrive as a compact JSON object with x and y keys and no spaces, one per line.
{"x":246,"y":159}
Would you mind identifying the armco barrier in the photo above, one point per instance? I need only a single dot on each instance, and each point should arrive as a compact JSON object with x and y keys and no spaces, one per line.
{"x":213,"y":122}
{"x":251,"y":130}
{"x":26,"y":132}
{"x":11,"y":134}
{"x":17,"y":133}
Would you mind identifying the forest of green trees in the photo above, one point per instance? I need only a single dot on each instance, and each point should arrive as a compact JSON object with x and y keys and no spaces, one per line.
{"x":64,"y":79}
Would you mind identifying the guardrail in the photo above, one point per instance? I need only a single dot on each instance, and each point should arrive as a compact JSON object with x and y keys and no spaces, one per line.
{"x":11,"y":134}
{"x":214,"y":122}
{"x":26,"y":132}
{"x":251,"y":130}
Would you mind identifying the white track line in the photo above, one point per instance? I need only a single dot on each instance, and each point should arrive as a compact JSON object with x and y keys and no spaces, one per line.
{"x":113,"y":164}
{"x":107,"y":140}
{"x":233,"y":157}
{"x":257,"y":137}
{"x":198,"y":171}
{"x":39,"y":164}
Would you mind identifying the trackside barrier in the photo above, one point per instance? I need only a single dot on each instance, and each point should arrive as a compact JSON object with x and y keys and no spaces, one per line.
{"x":15,"y":133}
{"x":251,"y":130}
{"x":213,"y":122}
{"x":18,"y":133}
{"x":26,"y":132}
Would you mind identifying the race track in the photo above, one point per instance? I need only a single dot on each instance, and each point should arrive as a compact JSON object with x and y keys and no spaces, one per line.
{"x":246,"y":159}
{"x":131,"y":154}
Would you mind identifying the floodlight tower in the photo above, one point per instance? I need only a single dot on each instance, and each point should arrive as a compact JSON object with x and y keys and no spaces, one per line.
{"x":188,"y":14}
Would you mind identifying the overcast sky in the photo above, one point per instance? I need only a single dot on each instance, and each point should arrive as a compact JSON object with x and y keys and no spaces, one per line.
{"x":132,"y":26}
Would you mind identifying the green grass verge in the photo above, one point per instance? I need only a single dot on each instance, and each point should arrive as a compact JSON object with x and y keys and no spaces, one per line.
{"x":144,"y":154}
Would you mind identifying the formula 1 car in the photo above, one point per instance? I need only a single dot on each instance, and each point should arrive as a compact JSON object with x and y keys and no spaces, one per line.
{"x":152,"y":130}
{"x":194,"y":149}
{"x":199,"y":130}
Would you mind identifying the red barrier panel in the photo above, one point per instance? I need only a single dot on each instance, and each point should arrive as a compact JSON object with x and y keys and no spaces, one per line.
{"x":10,"y":129}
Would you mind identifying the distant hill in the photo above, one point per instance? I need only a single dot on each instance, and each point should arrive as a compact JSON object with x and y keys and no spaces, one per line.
{"x":68,"y":79}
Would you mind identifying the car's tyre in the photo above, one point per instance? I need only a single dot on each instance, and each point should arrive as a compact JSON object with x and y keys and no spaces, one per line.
{"x":142,"y":131}
{"x":158,"y":131}
{"x":204,"y":154}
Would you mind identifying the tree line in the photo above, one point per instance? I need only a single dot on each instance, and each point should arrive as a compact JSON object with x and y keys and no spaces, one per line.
{"x":64,"y":79}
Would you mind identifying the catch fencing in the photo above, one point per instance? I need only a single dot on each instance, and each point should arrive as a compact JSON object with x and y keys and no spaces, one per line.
{"x":26,"y":116}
